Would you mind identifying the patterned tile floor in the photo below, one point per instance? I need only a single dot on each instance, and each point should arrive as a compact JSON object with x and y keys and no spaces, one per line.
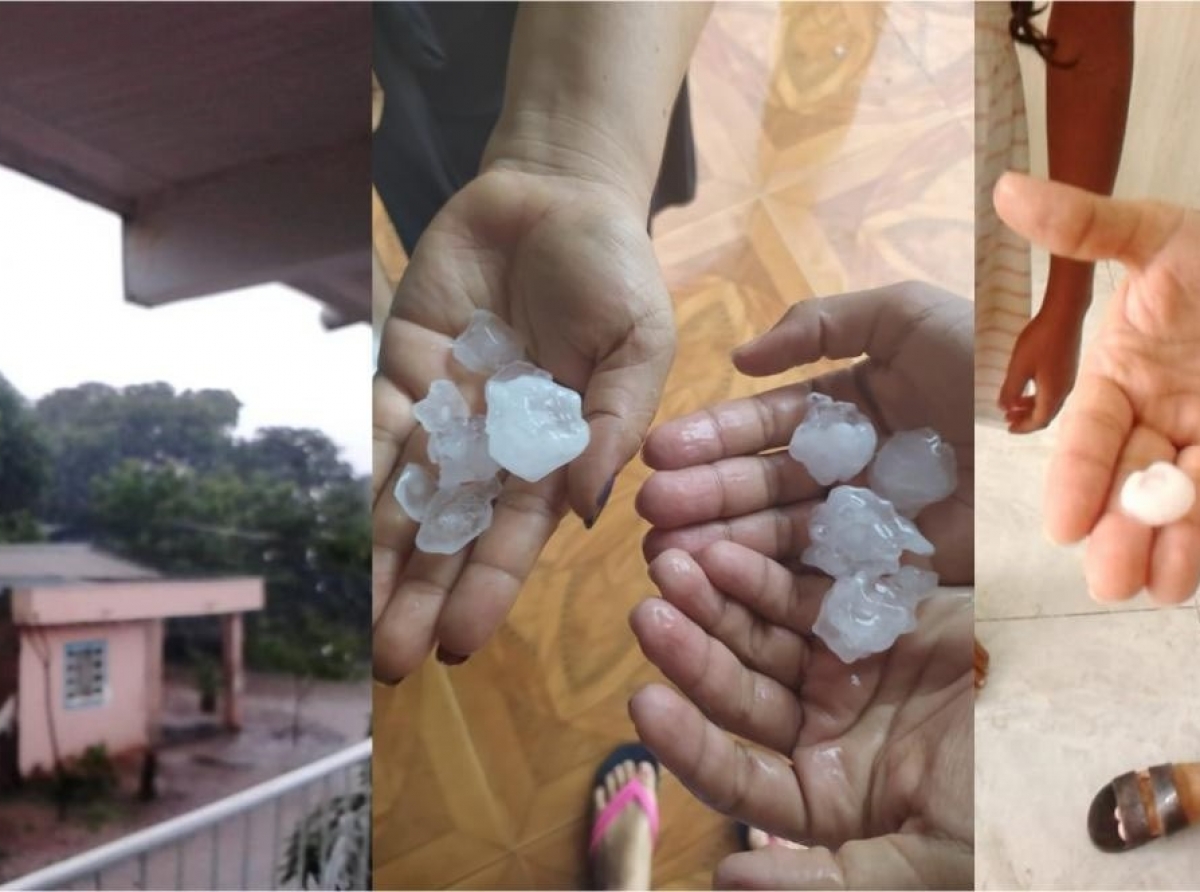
{"x":835,"y":153}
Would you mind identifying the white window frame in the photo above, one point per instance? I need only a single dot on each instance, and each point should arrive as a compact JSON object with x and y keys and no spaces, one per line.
{"x":92,"y":698}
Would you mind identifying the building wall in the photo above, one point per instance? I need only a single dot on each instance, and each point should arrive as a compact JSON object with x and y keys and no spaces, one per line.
{"x":1163,"y":132}
{"x":110,"y":602}
{"x":120,"y":722}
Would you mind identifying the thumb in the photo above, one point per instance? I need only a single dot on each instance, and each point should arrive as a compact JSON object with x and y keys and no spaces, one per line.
{"x":1071,"y":222}
{"x":897,"y":861}
{"x":840,"y":326}
{"x":619,"y":403}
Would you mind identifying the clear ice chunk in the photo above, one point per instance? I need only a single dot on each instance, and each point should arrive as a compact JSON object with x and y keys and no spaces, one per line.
{"x":442,"y":408}
{"x":834,"y":441}
{"x":864,"y":614}
{"x":456,"y":516}
{"x":488,"y":343}
{"x":534,"y":426}
{"x":514,"y":370}
{"x":914,"y":469}
{"x":856,"y":531}
{"x":415,"y":489}
{"x":1158,"y":495}
{"x":460,"y":451}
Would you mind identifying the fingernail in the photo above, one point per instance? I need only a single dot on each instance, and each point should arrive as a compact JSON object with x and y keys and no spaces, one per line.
{"x":601,"y":501}
{"x":446,"y":658}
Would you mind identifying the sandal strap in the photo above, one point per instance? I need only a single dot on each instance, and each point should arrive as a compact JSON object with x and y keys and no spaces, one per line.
{"x":1130,"y":807}
{"x":1166,"y":799}
{"x":633,"y":790}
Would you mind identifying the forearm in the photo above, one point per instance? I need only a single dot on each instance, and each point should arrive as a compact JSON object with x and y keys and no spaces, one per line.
{"x":1086,"y":109}
{"x":590,"y":88}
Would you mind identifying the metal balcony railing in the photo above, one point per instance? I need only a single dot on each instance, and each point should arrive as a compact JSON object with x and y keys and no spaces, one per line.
{"x":315,"y":818}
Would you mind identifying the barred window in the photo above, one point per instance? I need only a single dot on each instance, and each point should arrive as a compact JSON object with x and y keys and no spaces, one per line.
{"x":85,"y":673}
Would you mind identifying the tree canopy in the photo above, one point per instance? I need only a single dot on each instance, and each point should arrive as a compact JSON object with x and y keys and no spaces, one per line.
{"x":159,"y":477}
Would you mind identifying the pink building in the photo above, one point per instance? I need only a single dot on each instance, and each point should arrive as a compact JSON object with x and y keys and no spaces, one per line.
{"x":81,"y":649}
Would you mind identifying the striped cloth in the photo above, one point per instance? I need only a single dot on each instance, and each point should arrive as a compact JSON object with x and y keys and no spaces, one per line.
{"x":1002,"y":278}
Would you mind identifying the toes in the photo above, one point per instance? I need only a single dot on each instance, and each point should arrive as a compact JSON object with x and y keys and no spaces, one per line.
{"x":647,"y":773}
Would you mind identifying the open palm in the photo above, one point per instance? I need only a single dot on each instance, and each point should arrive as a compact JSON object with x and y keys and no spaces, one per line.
{"x":570,"y":267}
{"x":1137,"y":400}
{"x":722,"y":474}
{"x":872,"y":762}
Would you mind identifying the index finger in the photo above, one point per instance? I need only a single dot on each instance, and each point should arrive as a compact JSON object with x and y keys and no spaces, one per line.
{"x":1084,"y":463}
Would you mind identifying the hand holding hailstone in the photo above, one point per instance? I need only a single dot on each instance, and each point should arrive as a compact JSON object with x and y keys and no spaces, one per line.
{"x":858,"y":535}
{"x":532,"y":427}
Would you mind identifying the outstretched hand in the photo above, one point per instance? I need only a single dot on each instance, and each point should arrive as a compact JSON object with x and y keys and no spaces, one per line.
{"x":1137,"y":399}
{"x":570,"y":266}
{"x":722,"y":472}
{"x":871,"y":762}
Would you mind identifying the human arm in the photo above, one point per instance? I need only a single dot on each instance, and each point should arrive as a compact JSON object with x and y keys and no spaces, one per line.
{"x":1088,"y":81}
{"x":552,"y":237}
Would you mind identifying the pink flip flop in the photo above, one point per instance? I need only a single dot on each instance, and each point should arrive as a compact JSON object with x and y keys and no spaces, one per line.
{"x":633,"y":791}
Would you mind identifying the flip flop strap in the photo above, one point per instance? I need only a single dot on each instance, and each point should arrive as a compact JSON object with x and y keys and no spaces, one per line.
{"x":634,"y":790}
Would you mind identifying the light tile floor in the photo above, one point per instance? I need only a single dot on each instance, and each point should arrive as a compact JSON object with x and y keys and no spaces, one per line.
{"x":1078,"y":692}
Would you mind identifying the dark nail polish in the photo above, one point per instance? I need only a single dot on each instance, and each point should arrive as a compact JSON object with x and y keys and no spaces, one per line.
{"x":601,"y":501}
{"x":446,"y":658}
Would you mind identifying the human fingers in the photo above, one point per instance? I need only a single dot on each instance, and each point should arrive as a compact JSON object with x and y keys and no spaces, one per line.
{"x":1175,"y":557}
{"x":739,"y":699}
{"x":525,"y":516}
{"x":875,"y":322}
{"x":619,"y":403}
{"x":747,"y":784}
{"x":773,"y":649}
{"x":738,"y":427}
{"x":1117,"y":561}
{"x":726,"y":488}
{"x":779,"y":532}
{"x":1081,"y":471}
{"x":895,"y":861}
{"x":404,"y":633}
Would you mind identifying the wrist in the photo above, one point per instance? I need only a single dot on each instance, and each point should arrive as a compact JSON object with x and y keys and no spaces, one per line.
{"x":1068,"y":291}
{"x":559,"y":144}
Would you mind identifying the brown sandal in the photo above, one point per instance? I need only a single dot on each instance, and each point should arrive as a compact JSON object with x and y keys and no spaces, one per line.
{"x":981,"y":665}
{"x":1143,"y":805}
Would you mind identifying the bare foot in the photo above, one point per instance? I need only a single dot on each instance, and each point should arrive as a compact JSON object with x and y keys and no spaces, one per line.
{"x":622,"y":859}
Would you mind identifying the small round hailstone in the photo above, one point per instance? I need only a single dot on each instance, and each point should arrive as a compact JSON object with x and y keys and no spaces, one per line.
{"x":1159,"y":495}
{"x":834,"y":441}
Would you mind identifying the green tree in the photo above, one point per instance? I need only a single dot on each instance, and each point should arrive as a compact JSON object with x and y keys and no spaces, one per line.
{"x":95,"y":427}
{"x":24,"y":466}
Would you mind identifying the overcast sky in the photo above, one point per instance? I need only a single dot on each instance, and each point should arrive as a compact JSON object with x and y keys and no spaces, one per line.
{"x":64,"y":320}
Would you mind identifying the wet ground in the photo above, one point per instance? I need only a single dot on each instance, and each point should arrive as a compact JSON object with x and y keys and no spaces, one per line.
{"x":198,"y":764}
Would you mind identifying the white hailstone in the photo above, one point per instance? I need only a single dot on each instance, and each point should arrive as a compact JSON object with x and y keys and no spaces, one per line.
{"x":864,"y":614}
{"x":457,"y":515}
{"x":914,"y":469}
{"x":834,"y":441}
{"x":534,"y":426}
{"x":488,"y":344}
{"x":415,"y":489}
{"x":856,"y":531}
{"x":1159,"y":495}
